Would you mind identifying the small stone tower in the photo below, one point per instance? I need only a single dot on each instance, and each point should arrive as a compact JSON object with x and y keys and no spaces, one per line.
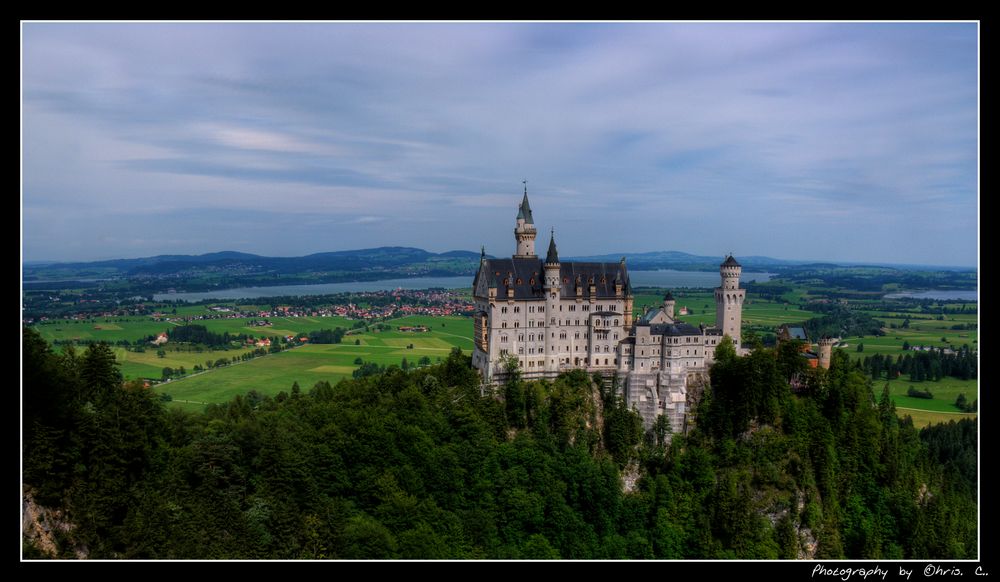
{"x":668,"y":305}
{"x":524,"y":232}
{"x":729,"y":300}
{"x":826,"y":352}
{"x":553,"y":287}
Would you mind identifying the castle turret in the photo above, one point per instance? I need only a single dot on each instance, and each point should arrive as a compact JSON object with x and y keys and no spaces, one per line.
{"x":668,"y":305}
{"x":524,"y":232}
{"x":729,"y":300}
{"x":627,"y":307}
{"x":553,"y":286}
{"x":826,"y":352}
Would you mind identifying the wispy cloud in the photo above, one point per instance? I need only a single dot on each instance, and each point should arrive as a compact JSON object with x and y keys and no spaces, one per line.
{"x":700,"y":137}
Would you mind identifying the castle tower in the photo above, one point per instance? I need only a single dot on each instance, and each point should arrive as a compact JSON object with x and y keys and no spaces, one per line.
{"x":826,"y":352}
{"x":729,"y":300}
{"x":553,"y":286}
{"x":627,"y":308}
{"x":524,"y":232}
{"x":668,"y":305}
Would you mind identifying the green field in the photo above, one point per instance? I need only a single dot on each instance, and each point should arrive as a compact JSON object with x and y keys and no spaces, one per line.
{"x":310,"y":364}
{"x":135,"y":329}
{"x":330,"y":362}
{"x":945,"y":392}
{"x":922,"y":418}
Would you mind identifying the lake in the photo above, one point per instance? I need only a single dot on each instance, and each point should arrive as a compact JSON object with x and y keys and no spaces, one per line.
{"x":662,"y":278}
{"x":932,"y":294}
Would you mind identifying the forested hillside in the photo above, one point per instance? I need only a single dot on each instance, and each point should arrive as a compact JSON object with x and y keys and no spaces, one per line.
{"x":417,"y":464}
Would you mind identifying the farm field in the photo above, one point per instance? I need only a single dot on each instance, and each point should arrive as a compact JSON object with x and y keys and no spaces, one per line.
{"x":324,"y":362}
{"x":922,"y":418}
{"x":945,"y":392}
{"x":312,"y":363}
{"x":135,"y":329}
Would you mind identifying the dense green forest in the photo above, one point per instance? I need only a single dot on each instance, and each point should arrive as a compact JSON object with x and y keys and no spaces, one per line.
{"x":419,"y":464}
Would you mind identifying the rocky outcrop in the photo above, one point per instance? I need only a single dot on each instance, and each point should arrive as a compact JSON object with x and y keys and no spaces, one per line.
{"x":42,"y":527}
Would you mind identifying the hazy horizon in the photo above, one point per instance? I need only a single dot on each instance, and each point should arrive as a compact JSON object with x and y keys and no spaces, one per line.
{"x":832,"y":142}
{"x":568,"y":256}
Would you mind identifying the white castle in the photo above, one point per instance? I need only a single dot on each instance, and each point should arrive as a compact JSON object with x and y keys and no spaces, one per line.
{"x":551,"y":317}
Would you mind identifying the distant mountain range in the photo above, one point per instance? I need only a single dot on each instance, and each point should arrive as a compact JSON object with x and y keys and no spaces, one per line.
{"x":377,"y":259}
{"x":230,"y":267}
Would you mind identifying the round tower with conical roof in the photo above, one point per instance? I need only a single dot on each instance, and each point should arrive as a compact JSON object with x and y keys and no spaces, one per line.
{"x":729,"y":300}
{"x":524,"y":231}
{"x":668,"y":305}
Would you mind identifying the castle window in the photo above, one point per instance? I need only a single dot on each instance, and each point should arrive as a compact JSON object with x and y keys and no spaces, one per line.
{"x":541,"y":309}
{"x":517,"y":324}
{"x":503,"y":324}
{"x":616,"y":323}
{"x":586,"y":308}
{"x":565,"y":280}
{"x":506,"y":282}
{"x":520,"y":350}
{"x":517,"y":309}
{"x":518,"y":280}
{"x":520,"y":338}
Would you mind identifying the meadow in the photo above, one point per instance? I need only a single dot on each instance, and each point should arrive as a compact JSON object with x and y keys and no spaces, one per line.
{"x":330,"y":362}
{"x":309,"y":364}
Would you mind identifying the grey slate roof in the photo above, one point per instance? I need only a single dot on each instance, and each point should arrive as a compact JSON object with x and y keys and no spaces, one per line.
{"x":650,"y":314}
{"x":524,"y":210}
{"x":730,"y":262}
{"x":553,"y":256}
{"x":527,"y":269}
{"x":796,"y":332}
{"x":672,"y":329}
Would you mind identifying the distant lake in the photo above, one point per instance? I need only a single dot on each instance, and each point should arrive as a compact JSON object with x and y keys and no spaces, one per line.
{"x":932,"y":294}
{"x":663,"y":278}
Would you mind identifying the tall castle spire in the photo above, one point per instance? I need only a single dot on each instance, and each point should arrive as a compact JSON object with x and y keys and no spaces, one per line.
{"x":553,"y":256}
{"x":524,"y":232}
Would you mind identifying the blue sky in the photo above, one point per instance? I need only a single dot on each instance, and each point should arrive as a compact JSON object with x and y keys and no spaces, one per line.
{"x":828,"y":141}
